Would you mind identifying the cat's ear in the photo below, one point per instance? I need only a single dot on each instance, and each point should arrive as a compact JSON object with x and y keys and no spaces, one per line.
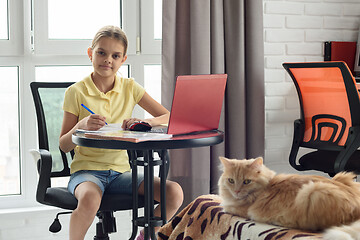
{"x":225,"y":161}
{"x":257,"y":163}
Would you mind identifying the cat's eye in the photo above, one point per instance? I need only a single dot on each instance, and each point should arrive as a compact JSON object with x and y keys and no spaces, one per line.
{"x":247,"y":181}
{"x":231,"y":180}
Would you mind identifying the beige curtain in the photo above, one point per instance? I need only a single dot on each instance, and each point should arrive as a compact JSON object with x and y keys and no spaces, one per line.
{"x":216,"y":36}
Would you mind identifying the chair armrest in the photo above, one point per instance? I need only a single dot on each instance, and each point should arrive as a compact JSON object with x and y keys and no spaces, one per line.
{"x":44,"y":165}
{"x":35,"y":154}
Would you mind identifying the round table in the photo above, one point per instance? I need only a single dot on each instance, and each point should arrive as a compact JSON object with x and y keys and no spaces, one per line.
{"x":147,"y":148}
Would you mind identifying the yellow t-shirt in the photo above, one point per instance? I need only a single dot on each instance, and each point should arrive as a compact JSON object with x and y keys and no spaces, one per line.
{"x":116,"y":105}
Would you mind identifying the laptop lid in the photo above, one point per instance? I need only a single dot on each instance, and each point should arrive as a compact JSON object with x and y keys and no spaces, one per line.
{"x":197,"y":103}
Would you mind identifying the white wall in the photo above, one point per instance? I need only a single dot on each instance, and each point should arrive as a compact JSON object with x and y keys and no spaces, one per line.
{"x":294,"y":30}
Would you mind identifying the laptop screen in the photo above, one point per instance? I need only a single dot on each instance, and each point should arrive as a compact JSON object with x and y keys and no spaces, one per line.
{"x":197,"y":103}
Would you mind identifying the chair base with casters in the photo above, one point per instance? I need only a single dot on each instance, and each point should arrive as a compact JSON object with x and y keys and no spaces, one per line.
{"x":62,"y":198}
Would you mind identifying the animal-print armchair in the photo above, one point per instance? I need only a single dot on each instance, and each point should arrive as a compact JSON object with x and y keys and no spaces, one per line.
{"x":204,"y":219}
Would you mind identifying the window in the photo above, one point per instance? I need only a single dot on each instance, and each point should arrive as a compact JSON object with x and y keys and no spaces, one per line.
{"x":157,"y":19}
{"x":72,"y":34}
{"x":152,"y":77}
{"x":151,"y":30}
{"x":9,"y":141}
{"x":10,"y":43}
{"x":77,"y":24}
{"x":61,"y":73}
{"x":4,"y":20}
{"x":44,"y":40}
{"x":69,"y":73}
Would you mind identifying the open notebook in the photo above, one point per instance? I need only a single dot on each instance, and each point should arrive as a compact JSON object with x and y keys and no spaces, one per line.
{"x":113,"y":131}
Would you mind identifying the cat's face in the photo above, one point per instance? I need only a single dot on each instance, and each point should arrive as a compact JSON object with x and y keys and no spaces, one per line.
{"x":242,"y":179}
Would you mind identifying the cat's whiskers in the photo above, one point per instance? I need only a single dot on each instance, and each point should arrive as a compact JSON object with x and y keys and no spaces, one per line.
{"x":247,"y":197}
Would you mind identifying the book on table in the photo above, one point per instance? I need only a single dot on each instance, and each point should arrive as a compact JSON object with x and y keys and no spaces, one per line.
{"x":115,"y":132}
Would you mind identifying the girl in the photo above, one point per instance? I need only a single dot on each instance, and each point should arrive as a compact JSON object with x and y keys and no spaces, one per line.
{"x":94,"y":171}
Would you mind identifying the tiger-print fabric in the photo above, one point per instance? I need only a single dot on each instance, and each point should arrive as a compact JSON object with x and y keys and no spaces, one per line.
{"x":204,"y":219}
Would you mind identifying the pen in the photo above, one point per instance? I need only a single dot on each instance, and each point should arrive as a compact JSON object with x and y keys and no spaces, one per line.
{"x":89,"y":110}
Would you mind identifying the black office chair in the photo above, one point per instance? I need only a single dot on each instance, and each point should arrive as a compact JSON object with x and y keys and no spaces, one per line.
{"x":54,"y":163}
{"x":330,"y":117}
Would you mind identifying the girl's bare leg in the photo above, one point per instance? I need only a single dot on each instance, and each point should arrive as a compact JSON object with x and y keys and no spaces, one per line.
{"x":89,"y":196}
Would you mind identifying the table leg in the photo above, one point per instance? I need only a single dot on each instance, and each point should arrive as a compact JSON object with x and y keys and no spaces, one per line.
{"x":149,"y":194}
{"x":133,"y":160}
{"x":149,"y":220}
{"x":146,"y":194}
{"x":163,"y":174}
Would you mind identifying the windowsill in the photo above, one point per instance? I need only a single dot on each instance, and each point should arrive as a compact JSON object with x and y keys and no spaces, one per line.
{"x":28,"y":210}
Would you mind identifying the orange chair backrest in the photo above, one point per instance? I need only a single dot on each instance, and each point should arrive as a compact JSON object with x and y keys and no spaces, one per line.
{"x":325,"y":103}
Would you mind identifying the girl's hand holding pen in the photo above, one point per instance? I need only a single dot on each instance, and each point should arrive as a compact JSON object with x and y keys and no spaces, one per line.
{"x":90,"y":111}
{"x":93,"y":122}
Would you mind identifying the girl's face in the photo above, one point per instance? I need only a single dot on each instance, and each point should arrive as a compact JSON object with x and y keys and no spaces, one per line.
{"x":107,"y":57}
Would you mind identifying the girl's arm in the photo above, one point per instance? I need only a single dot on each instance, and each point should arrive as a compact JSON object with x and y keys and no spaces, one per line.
{"x":70,"y":124}
{"x":159,"y":112}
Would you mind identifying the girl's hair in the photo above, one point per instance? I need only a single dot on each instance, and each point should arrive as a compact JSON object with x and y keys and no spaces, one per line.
{"x":111,"y":32}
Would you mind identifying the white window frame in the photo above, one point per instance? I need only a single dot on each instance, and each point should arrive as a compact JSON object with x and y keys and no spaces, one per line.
{"x":149,"y":45}
{"x":28,"y":175}
{"x":43,"y":45}
{"x":17,"y":52}
{"x":14,"y":45}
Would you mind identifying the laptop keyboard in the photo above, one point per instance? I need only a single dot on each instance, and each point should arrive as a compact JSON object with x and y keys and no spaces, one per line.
{"x":159,"y":130}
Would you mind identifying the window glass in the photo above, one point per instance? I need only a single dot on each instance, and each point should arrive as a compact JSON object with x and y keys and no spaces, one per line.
{"x":69,"y":73}
{"x":3,"y":20}
{"x":152,"y":82}
{"x":151,"y":27}
{"x":157,"y":19}
{"x":9,"y":140}
{"x":81,"y":18}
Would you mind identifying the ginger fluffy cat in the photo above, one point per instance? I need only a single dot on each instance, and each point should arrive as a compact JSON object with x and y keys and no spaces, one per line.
{"x":251,"y":190}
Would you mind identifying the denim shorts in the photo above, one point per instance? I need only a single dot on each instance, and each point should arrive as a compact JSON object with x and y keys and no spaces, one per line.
{"x":110,"y":181}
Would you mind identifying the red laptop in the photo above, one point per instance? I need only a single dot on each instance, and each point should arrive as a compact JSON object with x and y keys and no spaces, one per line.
{"x":197,"y":103}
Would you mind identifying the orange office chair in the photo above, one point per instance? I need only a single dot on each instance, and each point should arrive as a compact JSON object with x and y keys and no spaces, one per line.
{"x":329,"y":120}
